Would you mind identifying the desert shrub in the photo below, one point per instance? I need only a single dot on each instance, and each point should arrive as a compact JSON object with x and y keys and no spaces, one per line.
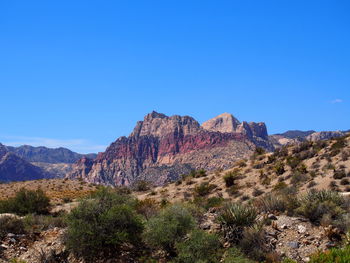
{"x":315,"y":204}
{"x":147,"y":207}
{"x":288,"y":260}
{"x":196,"y":174}
{"x":339,"y":143}
{"x":339,"y":174}
{"x":311,"y":184}
{"x":345,"y":156}
{"x":302,"y":168}
{"x":230,"y":178}
{"x":101,"y":226}
{"x":201,"y":173}
{"x":271,"y":158}
{"x":11,"y":224}
{"x":142,"y":186}
{"x":298,"y":178}
{"x":259,"y":151}
{"x":281,"y":152}
{"x":235,"y":255}
{"x":342,"y":223}
{"x":338,"y":255}
{"x":270,"y":203}
{"x":253,"y":242}
{"x":303,"y":146}
{"x":234,"y":218}
{"x":26,"y":202}
{"x":241,"y":163}
{"x":279,"y":168}
{"x":233,"y":190}
{"x":245,"y":198}
{"x":344,"y":181}
{"x":279,"y":186}
{"x":51,"y":256}
{"x":258,"y":165}
{"x":178,"y":182}
{"x":333,"y":185}
{"x":122,"y":190}
{"x":169,"y":227}
{"x":210,"y":202}
{"x":293,"y":161}
{"x":67,"y":200}
{"x":204,"y":189}
{"x":199,"y":247}
{"x":256,"y":192}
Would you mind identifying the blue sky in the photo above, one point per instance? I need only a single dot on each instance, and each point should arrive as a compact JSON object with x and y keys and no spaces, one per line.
{"x":79,"y":74}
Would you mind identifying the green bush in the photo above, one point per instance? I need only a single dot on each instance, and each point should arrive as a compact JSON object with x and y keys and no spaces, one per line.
{"x":204,"y":189}
{"x":102,"y":225}
{"x":169,"y":227}
{"x":207,"y":203}
{"x":26,"y":202}
{"x":336,"y":255}
{"x":10,"y":224}
{"x":199,"y":247}
{"x":315,"y":204}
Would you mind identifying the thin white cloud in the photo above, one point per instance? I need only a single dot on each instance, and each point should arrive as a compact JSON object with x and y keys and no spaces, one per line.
{"x":78,"y":145}
{"x":337,"y":101}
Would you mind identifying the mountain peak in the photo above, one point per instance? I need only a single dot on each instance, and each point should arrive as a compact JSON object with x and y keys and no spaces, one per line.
{"x":155,"y":115}
{"x":224,"y":122}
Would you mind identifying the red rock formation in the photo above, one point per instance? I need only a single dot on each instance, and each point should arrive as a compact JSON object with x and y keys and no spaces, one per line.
{"x":160,"y":147}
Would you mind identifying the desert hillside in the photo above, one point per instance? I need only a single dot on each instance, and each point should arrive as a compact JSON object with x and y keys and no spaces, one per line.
{"x":289,"y":206}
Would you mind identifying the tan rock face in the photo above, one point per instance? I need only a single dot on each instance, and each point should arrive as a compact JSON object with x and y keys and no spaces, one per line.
{"x":223,"y":123}
{"x":160,"y":148}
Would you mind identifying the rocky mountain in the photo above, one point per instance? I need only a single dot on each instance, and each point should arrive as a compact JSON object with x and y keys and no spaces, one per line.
{"x":160,"y":148}
{"x":295,"y":136}
{"x":57,"y":162}
{"x":47,"y":155}
{"x":14,"y":168}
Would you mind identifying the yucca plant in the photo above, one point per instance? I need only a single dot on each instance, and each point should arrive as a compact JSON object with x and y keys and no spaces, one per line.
{"x":234,"y":218}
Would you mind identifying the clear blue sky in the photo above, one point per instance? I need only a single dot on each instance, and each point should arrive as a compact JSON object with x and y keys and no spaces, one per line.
{"x":81,"y":73}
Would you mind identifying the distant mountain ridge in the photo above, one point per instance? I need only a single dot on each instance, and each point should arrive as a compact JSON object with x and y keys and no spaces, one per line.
{"x":15,"y":168}
{"x":47,"y":155}
{"x":295,"y":136}
{"x":29,"y":163}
